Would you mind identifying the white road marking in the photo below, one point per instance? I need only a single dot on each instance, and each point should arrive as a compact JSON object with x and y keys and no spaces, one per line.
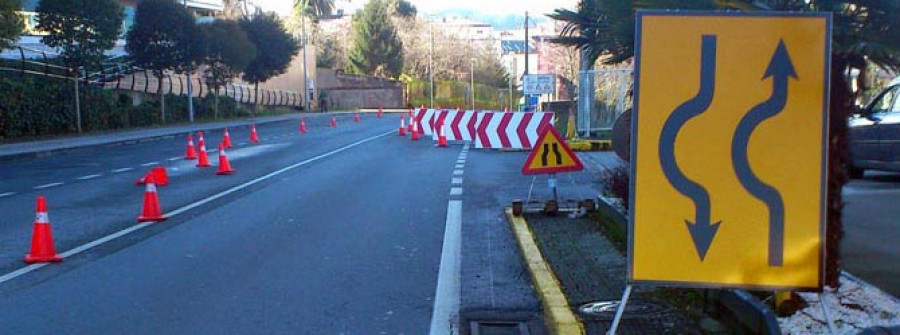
{"x":175,"y":158}
{"x":47,"y":186}
{"x":456,"y":191}
{"x":6,"y":194}
{"x":113,"y":236}
{"x":446,"y":296}
{"x":150,"y":164}
{"x":90,"y":176}
{"x":459,"y":166}
{"x":461,"y":161}
{"x":456,"y":181}
{"x":122,"y":170}
{"x":457,"y":172}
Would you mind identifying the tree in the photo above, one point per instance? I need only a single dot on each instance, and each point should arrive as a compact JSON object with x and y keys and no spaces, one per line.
{"x":160,"y":40}
{"x":275,"y":48}
{"x":314,"y":8}
{"x":376,"y":49}
{"x":403,"y":9}
{"x":80,"y":29}
{"x":11,"y":22}
{"x":226,"y":52}
{"x":862,"y":32}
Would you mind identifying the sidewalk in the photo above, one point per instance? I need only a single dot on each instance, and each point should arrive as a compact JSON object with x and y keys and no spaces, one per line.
{"x":37,"y":148}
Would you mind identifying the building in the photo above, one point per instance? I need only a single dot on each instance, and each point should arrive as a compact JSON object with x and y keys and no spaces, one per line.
{"x":204,"y":10}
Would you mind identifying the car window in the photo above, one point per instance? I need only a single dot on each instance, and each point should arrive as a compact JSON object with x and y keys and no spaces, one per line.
{"x":884,"y":103}
{"x":896,"y":105}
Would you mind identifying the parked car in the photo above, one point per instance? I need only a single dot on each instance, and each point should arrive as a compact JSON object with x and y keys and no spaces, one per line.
{"x":875,"y":133}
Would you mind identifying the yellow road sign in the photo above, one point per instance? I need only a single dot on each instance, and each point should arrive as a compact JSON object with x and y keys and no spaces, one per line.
{"x":551,"y":154}
{"x":729,"y":149}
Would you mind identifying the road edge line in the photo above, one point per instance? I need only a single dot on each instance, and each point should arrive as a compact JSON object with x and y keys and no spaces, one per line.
{"x":87,"y":246}
{"x":447,"y":290}
{"x":560,"y":318}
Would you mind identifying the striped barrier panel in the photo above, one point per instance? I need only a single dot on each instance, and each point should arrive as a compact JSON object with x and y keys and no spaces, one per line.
{"x":461,"y":125}
{"x":517,"y":130}
{"x":424,"y":119}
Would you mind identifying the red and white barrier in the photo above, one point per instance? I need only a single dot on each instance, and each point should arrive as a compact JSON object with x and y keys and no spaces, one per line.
{"x":424,"y":119}
{"x":510,"y":130}
{"x":461,"y":125}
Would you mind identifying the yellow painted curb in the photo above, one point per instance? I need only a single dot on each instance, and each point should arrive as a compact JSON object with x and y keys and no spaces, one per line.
{"x":556,"y":308}
{"x":590,"y":145}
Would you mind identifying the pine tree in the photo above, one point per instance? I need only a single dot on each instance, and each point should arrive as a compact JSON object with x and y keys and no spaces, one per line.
{"x":376,"y":49}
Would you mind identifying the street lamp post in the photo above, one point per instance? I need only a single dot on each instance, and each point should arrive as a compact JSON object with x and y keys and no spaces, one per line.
{"x":431,"y":63}
{"x":190,"y":86}
{"x":305,"y":88}
{"x":473,"y":82}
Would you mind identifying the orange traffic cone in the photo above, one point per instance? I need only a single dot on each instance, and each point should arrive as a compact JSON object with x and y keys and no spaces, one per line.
{"x":42,"y":249}
{"x":402,"y":126}
{"x":159,"y":174}
{"x":380,"y":112}
{"x":224,"y":166}
{"x":414,"y":135}
{"x":356,"y":118}
{"x":204,"y":157}
{"x":333,"y":122}
{"x":226,"y":139}
{"x":190,"y":153}
{"x":442,"y":137}
{"x":151,"y":211}
{"x":254,"y":138}
{"x":302,"y":126}
{"x":200,"y":138}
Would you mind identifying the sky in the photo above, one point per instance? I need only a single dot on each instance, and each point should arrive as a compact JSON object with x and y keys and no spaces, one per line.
{"x":488,"y":7}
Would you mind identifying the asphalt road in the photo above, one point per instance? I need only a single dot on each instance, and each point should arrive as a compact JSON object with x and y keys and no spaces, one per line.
{"x":333,"y":231}
{"x":870,"y":249}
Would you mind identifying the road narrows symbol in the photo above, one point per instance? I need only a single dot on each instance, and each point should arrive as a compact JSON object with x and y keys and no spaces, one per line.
{"x":557,"y":153}
{"x":702,"y":230}
{"x":780,"y":69}
{"x":544,"y":154}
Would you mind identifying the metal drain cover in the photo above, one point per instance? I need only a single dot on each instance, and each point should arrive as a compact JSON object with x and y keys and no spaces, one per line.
{"x":498,"y":328}
{"x":634,"y":308}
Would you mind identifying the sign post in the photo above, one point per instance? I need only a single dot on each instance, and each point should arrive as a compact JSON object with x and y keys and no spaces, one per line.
{"x":729,"y":150}
{"x":551,"y":154}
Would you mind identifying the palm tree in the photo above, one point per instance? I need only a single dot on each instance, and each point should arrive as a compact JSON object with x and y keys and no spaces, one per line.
{"x":863,"y":32}
{"x":314,"y":8}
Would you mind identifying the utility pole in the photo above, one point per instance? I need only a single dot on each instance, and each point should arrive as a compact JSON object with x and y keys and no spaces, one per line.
{"x":527,"y":50}
{"x":190,"y":86}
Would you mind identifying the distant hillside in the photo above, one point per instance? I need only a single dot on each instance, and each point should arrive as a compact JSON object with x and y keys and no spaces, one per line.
{"x":499,"y":22}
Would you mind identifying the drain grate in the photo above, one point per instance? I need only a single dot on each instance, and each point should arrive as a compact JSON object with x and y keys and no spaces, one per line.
{"x":497,"y":328}
{"x":634,"y":309}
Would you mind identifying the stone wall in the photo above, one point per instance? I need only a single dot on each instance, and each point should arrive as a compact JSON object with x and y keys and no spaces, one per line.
{"x":346,"y":91}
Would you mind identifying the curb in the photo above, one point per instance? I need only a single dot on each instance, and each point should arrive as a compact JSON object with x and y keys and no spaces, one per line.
{"x":590,"y":145}
{"x":132,"y":139}
{"x":559,"y":316}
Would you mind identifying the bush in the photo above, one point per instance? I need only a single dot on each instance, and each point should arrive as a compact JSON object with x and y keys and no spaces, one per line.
{"x":616,"y":181}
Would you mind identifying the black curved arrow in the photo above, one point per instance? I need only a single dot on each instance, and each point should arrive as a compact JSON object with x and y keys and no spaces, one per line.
{"x":780,"y":69}
{"x":702,"y":229}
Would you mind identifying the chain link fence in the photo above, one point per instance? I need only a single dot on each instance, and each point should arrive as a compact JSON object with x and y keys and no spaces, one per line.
{"x":604,"y":94}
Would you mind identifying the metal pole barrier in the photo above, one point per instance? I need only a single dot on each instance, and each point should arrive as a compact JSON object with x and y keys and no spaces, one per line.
{"x":77,"y":103}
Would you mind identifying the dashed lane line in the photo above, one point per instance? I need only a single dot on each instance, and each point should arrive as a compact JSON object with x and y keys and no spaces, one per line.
{"x":40,"y":187}
{"x":91,"y":176}
{"x":456,"y":191}
{"x":122,"y":170}
{"x":113,"y":236}
{"x":6,"y":194}
{"x":457,"y":172}
{"x":175,"y":158}
{"x":150,"y":164}
{"x":456,"y":181}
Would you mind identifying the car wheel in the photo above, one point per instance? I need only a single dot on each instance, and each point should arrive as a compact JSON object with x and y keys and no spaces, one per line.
{"x":855,"y":172}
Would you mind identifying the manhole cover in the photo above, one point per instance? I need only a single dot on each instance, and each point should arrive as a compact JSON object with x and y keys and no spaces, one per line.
{"x":607,"y":309}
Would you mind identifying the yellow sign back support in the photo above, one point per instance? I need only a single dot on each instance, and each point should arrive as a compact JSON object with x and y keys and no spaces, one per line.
{"x":729,"y":149}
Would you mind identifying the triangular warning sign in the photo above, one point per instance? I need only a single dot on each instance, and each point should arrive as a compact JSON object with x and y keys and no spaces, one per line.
{"x":551,"y":154}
